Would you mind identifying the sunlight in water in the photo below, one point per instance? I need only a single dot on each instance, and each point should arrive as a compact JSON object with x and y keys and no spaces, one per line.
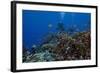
{"x":62,"y":15}
{"x":72,"y":15}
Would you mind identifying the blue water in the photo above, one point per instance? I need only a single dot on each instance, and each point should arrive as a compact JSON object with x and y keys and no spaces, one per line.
{"x":38,"y":23}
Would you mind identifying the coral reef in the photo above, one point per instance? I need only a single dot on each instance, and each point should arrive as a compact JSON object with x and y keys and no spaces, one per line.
{"x":61,"y":46}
